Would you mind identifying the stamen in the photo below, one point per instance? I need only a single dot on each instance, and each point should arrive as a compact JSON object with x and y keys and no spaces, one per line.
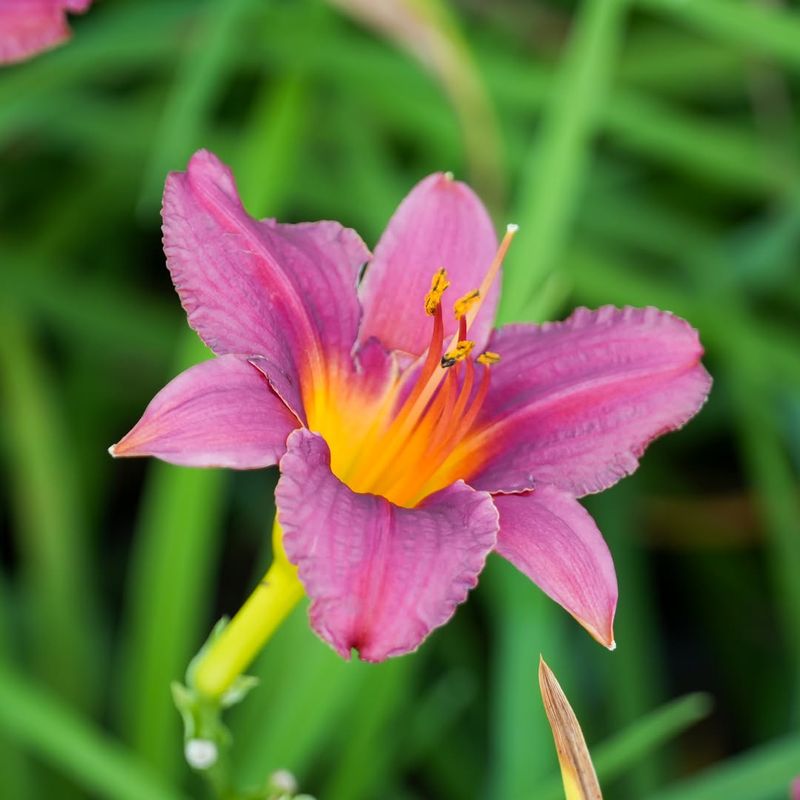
{"x":408,"y":414}
{"x":433,"y":298}
{"x":463,"y":304}
{"x":458,"y":353}
{"x":406,"y":483}
{"x":436,"y":416}
{"x":431,"y":360}
{"x":488,"y":278}
{"x":488,"y":358}
{"x":461,"y":424}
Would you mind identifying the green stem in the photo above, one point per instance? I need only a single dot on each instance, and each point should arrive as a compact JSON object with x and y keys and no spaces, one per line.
{"x":247,"y":633}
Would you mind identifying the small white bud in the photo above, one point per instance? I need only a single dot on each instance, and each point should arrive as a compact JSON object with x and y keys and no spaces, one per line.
{"x":449,"y":175}
{"x":200,"y":753}
{"x":283,"y":781}
{"x":512,"y":227}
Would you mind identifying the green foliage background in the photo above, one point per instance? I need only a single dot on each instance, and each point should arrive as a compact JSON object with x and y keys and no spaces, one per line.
{"x":649,"y":150}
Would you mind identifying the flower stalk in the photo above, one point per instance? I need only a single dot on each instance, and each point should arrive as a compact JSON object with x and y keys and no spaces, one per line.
{"x":240,"y":641}
{"x":215,"y":678}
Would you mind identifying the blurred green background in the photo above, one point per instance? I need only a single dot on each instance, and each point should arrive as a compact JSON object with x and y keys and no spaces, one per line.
{"x":650,"y":152}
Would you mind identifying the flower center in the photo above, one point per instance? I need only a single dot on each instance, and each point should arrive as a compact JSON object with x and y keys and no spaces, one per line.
{"x":410,"y":441}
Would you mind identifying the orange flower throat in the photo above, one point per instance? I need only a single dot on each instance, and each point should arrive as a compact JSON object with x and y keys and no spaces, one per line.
{"x":406,"y":443}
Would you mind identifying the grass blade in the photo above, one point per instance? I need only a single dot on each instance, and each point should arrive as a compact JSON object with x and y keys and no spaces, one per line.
{"x":763,"y":28}
{"x":56,"y":563}
{"x":176,"y":544}
{"x":67,"y":741}
{"x":621,"y":752}
{"x":555,"y":170}
{"x":761,"y":774}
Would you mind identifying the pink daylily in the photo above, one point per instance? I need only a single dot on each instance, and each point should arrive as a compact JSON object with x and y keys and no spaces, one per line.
{"x":30,"y":26}
{"x":411,"y":441}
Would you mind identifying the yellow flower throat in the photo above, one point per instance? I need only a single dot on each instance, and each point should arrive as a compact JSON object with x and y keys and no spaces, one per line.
{"x":411,"y":440}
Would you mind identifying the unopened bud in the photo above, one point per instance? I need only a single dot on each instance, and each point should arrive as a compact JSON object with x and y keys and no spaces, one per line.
{"x":200,"y":753}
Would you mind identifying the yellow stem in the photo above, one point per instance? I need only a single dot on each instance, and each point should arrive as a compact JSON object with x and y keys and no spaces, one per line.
{"x":241,"y":640}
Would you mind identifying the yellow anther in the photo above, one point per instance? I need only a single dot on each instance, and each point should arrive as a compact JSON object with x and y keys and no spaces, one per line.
{"x":458,"y":353}
{"x":463,"y":304}
{"x":488,"y":358}
{"x":433,"y":298}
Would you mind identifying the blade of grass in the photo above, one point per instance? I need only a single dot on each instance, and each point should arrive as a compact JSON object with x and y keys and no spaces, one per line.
{"x":764,"y":253}
{"x":430,"y":32}
{"x":652,"y":129}
{"x":17,"y":772}
{"x":91,"y":313}
{"x":179,"y":532}
{"x":697,"y":147}
{"x":177,"y":539}
{"x":374,"y":724}
{"x":765,"y":29}
{"x":545,"y":210}
{"x":704,"y":67}
{"x":270,"y":144}
{"x":770,"y":472}
{"x":554,"y":174}
{"x":435,"y":714}
{"x":52,"y":539}
{"x":760,"y":774}
{"x":59,"y":736}
{"x":200,"y":75}
{"x":105,"y":44}
{"x":633,"y":682}
{"x":601,"y":279}
{"x":655,"y":130}
{"x":524,"y":623}
{"x":621,"y":752}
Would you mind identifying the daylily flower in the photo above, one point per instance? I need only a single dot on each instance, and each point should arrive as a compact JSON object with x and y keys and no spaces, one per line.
{"x":412,"y":439}
{"x":30,"y":26}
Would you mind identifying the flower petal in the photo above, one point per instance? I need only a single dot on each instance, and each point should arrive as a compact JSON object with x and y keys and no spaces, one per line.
{"x":220,"y":413}
{"x":283,"y":292}
{"x":380,"y":577}
{"x":29,"y":26}
{"x":441,"y":223}
{"x":576,"y":403}
{"x":551,"y":538}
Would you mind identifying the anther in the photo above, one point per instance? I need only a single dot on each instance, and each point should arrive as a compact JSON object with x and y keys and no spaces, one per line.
{"x":488,"y":358}
{"x":458,"y":353}
{"x":433,"y":298}
{"x":463,"y":304}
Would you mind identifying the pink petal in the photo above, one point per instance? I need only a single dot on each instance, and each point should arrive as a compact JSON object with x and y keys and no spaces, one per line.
{"x":551,"y":538}
{"x":380,"y":577}
{"x":29,"y":26}
{"x":441,"y":223}
{"x":576,"y":403}
{"x":283,"y":292}
{"x":220,"y":413}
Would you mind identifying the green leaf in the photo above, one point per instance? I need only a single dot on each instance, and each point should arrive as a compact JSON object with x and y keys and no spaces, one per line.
{"x":61,"y":737}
